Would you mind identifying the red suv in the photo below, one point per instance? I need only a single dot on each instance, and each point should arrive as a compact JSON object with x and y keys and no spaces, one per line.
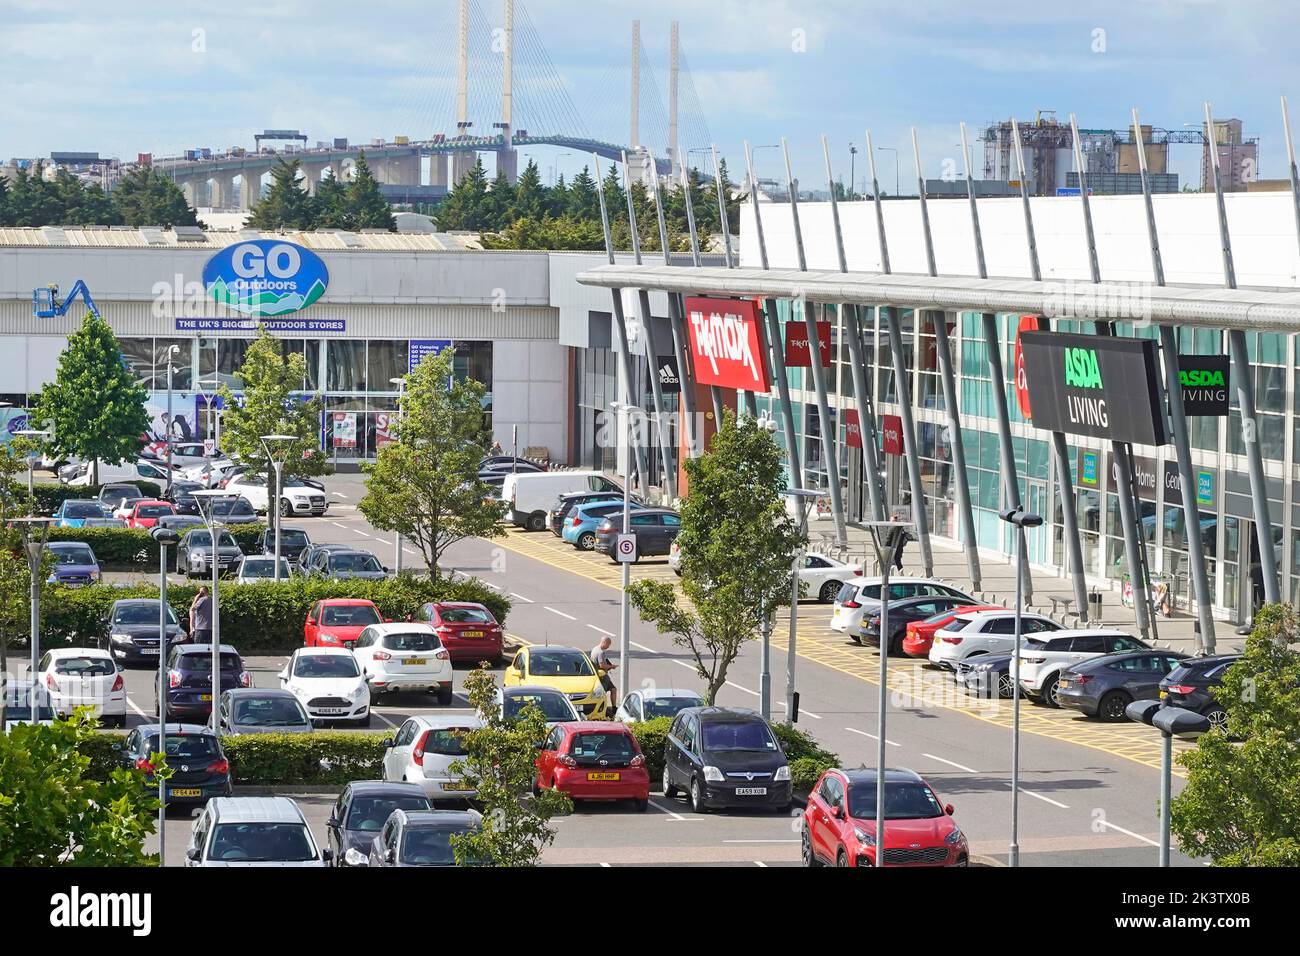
{"x":338,"y":622}
{"x":468,"y":631}
{"x":594,"y":760}
{"x":839,"y":822}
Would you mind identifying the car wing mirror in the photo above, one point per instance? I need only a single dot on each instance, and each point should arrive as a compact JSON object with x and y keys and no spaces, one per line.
{"x":948,"y":809}
{"x":836,"y":812}
{"x":192,"y":854}
{"x":387,"y":743}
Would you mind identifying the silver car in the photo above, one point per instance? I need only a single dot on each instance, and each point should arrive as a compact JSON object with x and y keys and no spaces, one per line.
{"x":261,"y":710}
{"x":253,"y":831}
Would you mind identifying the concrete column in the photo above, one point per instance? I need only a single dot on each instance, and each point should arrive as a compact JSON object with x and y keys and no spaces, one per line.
{"x":461,"y":164}
{"x":216,"y":197}
{"x":438,"y":169}
{"x":508,"y":162}
{"x":336,"y":169}
{"x":189,"y":189}
{"x":250,"y":188}
{"x":312,"y":175}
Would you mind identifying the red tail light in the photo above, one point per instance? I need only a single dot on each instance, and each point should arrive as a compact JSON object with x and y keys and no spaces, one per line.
{"x":576,"y":522}
{"x":441,"y":655}
{"x":383,"y":656}
{"x":1079,"y":679}
{"x":173,"y":679}
{"x":118,"y":684}
{"x":418,"y":753}
{"x":639,"y":761}
{"x":245,"y":679}
{"x":144,"y":764}
{"x":1181,"y":688}
{"x":51,"y":683}
{"x":952,"y":640}
{"x":219,"y":766}
{"x":568,"y":761}
{"x":851,"y":604}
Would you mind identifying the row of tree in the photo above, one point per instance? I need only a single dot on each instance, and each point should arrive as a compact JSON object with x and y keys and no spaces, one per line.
{"x":143,"y":197}
{"x":355,"y":204}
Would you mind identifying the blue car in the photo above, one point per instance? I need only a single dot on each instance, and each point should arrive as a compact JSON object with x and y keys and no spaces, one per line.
{"x":581,"y":523}
{"x":73,"y":512}
{"x":74,"y":564}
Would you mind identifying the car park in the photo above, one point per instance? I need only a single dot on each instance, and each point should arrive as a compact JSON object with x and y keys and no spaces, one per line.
{"x":253,"y":831}
{"x":652,"y":702}
{"x":567,"y":670}
{"x":422,"y":838}
{"x":468,"y":631}
{"x":26,"y":703}
{"x":861,"y":594}
{"x":296,"y":497}
{"x":84,"y":677}
{"x":404,"y":657}
{"x":423,"y":751}
{"x":555,"y":707}
{"x":580,"y":525}
{"x":260,"y":569}
{"x":1042,"y":664}
{"x":903,"y":613}
{"x":146,"y":512}
{"x":594,"y":760}
{"x":1104,"y":686}
{"x":530,"y":496}
{"x":654,"y":528}
{"x":112,"y":494}
{"x":260,"y":710}
{"x":189,"y":680}
{"x":194,"y":553}
{"x":135,"y":633}
{"x":725,"y":757}
{"x":199,"y":768}
{"x":985,"y":632}
{"x":839,"y":822}
{"x":338,"y":622}
{"x":345,"y":565}
{"x":919,"y":635}
{"x":1191,"y":686}
{"x":75,"y":564}
{"x":73,"y":512}
{"x":360,"y":813}
{"x":293,"y":542}
{"x":329,"y":684}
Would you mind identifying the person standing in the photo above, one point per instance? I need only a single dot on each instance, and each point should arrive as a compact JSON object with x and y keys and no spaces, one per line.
{"x":201,"y":617}
{"x":600,"y":657}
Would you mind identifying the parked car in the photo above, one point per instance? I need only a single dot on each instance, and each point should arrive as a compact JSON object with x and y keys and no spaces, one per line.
{"x":329,"y":683}
{"x":1190,"y":685}
{"x":468,"y":631}
{"x":581,"y":523}
{"x":179,"y":523}
{"x":75,"y":564}
{"x":200,"y":770}
{"x":187,"y":454}
{"x":404,"y":657}
{"x":421,"y":838}
{"x":360,"y":813}
{"x":338,"y":622}
{"x":509,"y":463}
{"x":194,"y":553}
{"x":296,"y":497}
{"x":901,"y":614}
{"x":260,"y":568}
{"x":26,"y":703}
{"x":1041,"y":665}
{"x":655,"y":701}
{"x":112,"y":495}
{"x":655,"y":529}
{"x":233,"y":510}
{"x":590,"y":760}
{"x":253,"y":831}
{"x":140,"y":470}
{"x":555,"y":706}
{"x":73,"y":512}
{"x":565,"y":504}
{"x":345,"y":565}
{"x":862,"y":594}
{"x":529,"y":496}
{"x":260,"y":710}
{"x":84,"y":677}
{"x":985,"y":632}
{"x":919,"y":635}
{"x":725,"y":757}
{"x":567,"y":670}
{"x":293,"y":542}
{"x":311,"y":553}
{"x":189,"y":680}
{"x":103,"y":523}
{"x":209,"y":473}
{"x":839,"y":822}
{"x":423,"y":750}
{"x":1104,"y":686}
{"x":824,"y":576}
{"x":986,"y":675}
{"x":146,"y":512}
{"x":135,"y":633}
{"x":182,"y":496}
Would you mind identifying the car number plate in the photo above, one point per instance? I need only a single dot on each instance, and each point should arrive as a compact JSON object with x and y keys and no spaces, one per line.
{"x":148,"y":650}
{"x":206,"y":698}
{"x":456,"y":786}
{"x":1164,"y":694}
{"x":185,"y":792}
{"x":330,"y":710}
{"x":417,"y":661}
{"x":1062,"y":684}
{"x":602,"y":775}
{"x":751,"y":791}
{"x":471,"y":634}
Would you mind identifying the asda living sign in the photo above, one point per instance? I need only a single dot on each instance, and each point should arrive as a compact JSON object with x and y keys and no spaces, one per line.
{"x":1205,"y":384}
{"x":1100,"y":387}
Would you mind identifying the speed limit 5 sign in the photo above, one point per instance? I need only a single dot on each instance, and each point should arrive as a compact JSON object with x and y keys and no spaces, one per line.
{"x":625,"y":548}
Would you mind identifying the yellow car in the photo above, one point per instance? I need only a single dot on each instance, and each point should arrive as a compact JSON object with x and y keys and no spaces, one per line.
{"x":568,"y":670}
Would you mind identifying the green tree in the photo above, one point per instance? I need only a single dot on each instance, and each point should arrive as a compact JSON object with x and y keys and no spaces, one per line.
{"x":424,"y":483}
{"x":615,"y":197}
{"x":557,"y":198}
{"x":52,"y":813}
{"x":530,"y":194}
{"x":498,"y":764}
{"x":500,"y":202}
{"x":366,"y":206}
{"x":466,"y":205}
{"x":582,"y":201}
{"x":563,"y":233}
{"x":33,"y":202}
{"x":286,"y":204}
{"x":1241,"y":805}
{"x":148,"y":197}
{"x":736,"y":541}
{"x":332,"y":205}
{"x":95,"y":404}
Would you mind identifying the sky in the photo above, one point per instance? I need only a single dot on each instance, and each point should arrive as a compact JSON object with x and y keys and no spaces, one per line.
{"x":147,"y":76}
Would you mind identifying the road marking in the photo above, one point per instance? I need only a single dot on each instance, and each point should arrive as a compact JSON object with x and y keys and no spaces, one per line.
{"x":760,"y":863}
{"x":339,"y":494}
{"x":854,"y":730}
{"x":951,"y":763}
{"x":601,"y":630}
{"x":522,"y":598}
{"x":337,"y":525}
{"x":132,"y":704}
{"x":605,"y":865}
{"x":677,"y":817}
{"x":547,"y":607}
{"x":1055,"y":803}
{"x":752,"y":693}
{"x":383,"y":718}
{"x":1136,"y":836}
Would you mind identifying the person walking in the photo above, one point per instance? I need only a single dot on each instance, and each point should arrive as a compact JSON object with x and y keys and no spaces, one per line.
{"x":201,"y":617}
{"x":600,"y":657}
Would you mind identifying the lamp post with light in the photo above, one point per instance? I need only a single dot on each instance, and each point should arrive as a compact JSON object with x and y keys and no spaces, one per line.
{"x":35,"y":533}
{"x":165,"y":537}
{"x":1021,"y":519}
{"x":277,"y":450}
{"x":204,"y":498}
{"x":401,"y":412}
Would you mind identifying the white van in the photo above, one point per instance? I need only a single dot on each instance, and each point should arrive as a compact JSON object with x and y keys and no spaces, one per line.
{"x":531,"y":495}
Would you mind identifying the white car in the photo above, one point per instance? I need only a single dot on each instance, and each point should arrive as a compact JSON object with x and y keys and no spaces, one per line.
{"x":187,"y":454}
{"x":408,"y":656}
{"x":296,"y":497}
{"x":253,"y":831}
{"x":260,"y":568}
{"x":328,"y":682}
{"x":861,"y":594}
{"x":821,"y":576}
{"x":422,"y":752}
{"x":984,"y":632}
{"x":1041,"y":664}
{"x":209,"y":473}
{"x":647,"y":703}
{"x":84,"y":677}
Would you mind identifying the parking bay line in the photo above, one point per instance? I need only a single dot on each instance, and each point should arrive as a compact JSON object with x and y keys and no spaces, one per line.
{"x":547,"y":607}
{"x":1055,"y":803}
{"x":677,"y":817}
{"x":854,"y":730}
{"x":1130,"y":833}
{"x":522,"y":598}
{"x":951,"y":763}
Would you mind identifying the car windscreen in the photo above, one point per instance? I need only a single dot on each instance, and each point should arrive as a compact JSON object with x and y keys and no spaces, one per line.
{"x":738,"y":735}
{"x":263,"y":568}
{"x":354,"y":562}
{"x":201,"y":539}
{"x":370,"y":813}
{"x":615,"y":744}
{"x":357,"y":615}
{"x":82,"y":509}
{"x":238,"y":508}
{"x":552,"y":706}
{"x":465,"y":615}
{"x":186,"y":746}
{"x":141,"y":614}
{"x":288,"y":536}
{"x":153,"y":511}
{"x":201,"y":659}
{"x":411,"y":641}
{"x":668,"y":706}
{"x":77,"y":555}
{"x":428,"y":846}
{"x":261,"y":843}
{"x":321,"y":665}
{"x":85,"y":666}
{"x":268,"y":712}
{"x":903,"y":801}
{"x":545,"y":663}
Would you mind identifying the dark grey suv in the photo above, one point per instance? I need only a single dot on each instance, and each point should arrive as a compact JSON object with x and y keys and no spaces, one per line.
{"x":194,"y":553}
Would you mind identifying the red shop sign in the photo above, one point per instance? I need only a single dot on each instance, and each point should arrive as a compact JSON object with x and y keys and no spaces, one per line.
{"x":1028,"y":323}
{"x":725,"y":345}
{"x":797,"y":353}
{"x":891,"y":435}
{"x":852,"y":429}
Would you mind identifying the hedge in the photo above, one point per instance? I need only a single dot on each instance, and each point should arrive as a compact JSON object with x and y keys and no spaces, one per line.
{"x":256,"y":618}
{"x":49,"y":496}
{"x":135,"y":548}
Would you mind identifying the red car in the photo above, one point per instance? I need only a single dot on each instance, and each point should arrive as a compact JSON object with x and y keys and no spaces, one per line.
{"x":594,"y":760}
{"x":146,"y":512}
{"x":920,"y":634}
{"x":839,"y":822}
{"x":337,"y":622}
{"x":468,"y":631}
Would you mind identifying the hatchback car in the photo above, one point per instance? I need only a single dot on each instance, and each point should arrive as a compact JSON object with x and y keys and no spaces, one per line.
{"x":567,"y":669}
{"x":594,"y":760}
{"x":338,"y":622}
{"x":654,"y":528}
{"x":468,"y":631}
{"x":985,"y":632}
{"x":423,"y":751}
{"x":839,"y":822}
{"x":404,"y":657}
{"x":254,"y":831}
{"x":233,"y":510}
{"x":861,"y":594}
{"x":652,"y":702}
{"x":194,"y":553}
{"x":260,"y":710}
{"x":75,"y":564}
{"x":725,"y":757}
{"x":1105,"y":686}
{"x":422,"y":837}
{"x":134,"y":630}
{"x":554,"y":706}
{"x":200,"y":770}
{"x":565,"y":504}
{"x":919,"y":635}
{"x":146,"y":512}
{"x":360,"y":813}
{"x":345,"y":565}
{"x":189,"y":680}
{"x":329,"y":683}
{"x":901,"y":614}
{"x":260,"y":569}
{"x":1042,"y":664}
{"x":112,"y":495}
{"x":293,"y":542}
{"x":73,"y":512}
{"x":84,"y":677}
{"x":1190,"y":685}
{"x":582,"y":522}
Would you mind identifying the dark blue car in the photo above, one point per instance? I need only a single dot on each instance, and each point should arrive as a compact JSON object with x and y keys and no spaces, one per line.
{"x":189,"y":680}
{"x":75,"y":565}
{"x":200,"y":770}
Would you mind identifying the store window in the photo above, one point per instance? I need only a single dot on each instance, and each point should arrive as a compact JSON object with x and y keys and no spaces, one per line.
{"x":345,"y":365}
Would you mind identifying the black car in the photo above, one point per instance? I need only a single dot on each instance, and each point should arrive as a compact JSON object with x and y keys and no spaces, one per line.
{"x":293,"y":542}
{"x":508,"y":464}
{"x":565,"y":504}
{"x":361,"y":811}
{"x":194,"y":553}
{"x":135,"y":632}
{"x":189,"y":679}
{"x":1104,"y":686}
{"x":655,"y":530}
{"x":234,"y":510}
{"x":725,"y":757}
{"x":1189,"y":685}
{"x":986,"y":675}
{"x":902,"y":613}
{"x":199,"y":766}
{"x":311,"y":555}
{"x":182,"y":496}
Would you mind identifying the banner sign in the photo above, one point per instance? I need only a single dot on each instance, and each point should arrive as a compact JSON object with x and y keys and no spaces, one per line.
{"x":345,"y":430}
{"x":891,"y":435}
{"x":265,"y":277}
{"x":670,"y":382}
{"x":1165,"y":484}
{"x":1028,"y":323}
{"x":1205,"y":384}
{"x":1089,"y":469}
{"x":852,"y":428}
{"x":422,"y":347}
{"x":382,"y":433}
{"x":725,"y":346}
{"x":317,"y":326}
{"x":1099,"y":387}
{"x":797,"y":352}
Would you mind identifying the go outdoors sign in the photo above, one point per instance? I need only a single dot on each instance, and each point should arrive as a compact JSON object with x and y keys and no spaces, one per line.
{"x":1101,"y":387}
{"x":265,"y":277}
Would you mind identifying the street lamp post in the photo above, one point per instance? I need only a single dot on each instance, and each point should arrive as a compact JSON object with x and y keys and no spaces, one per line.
{"x":1171,"y":722}
{"x":35,"y":532}
{"x":172,"y":350}
{"x":401,"y":413}
{"x":894,"y":150}
{"x":164,"y":537}
{"x":271,"y":444}
{"x":804,"y":499}
{"x":1021,"y":519}
{"x":853,"y":160}
{"x":625,"y":611}
{"x":215,"y":528}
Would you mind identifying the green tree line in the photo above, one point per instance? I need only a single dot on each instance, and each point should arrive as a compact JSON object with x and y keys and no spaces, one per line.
{"x":143,"y":197}
{"x":357,"y":204}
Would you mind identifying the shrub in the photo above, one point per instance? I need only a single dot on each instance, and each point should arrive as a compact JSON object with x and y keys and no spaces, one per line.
{"x":49,"y":496}
{"x":652,"y":735}
{"x":804,"y":772}
{"x":134,"y":548}
{"x":320,"y":757}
